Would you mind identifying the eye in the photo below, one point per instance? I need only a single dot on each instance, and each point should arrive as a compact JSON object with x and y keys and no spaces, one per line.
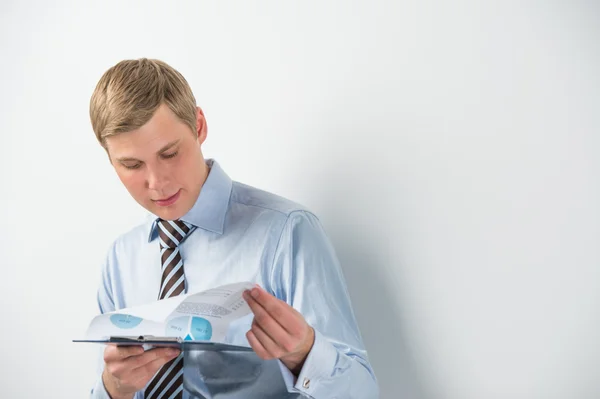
{"x":171,"y":155}
{"x":131,"y":167}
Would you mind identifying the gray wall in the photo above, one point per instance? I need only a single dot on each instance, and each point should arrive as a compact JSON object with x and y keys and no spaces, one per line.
{"x":451,"y":151}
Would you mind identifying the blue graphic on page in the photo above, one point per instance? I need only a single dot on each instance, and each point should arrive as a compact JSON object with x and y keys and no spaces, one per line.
{"x":189,"y":328}
{"x":125,"y":321}
{"x":201,"y":329}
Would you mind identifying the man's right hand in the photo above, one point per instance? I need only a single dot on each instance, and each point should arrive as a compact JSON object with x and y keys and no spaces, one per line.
{"x":128,"y":369}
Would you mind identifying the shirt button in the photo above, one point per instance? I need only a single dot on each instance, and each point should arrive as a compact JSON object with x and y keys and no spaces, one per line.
{"x":306,"y":383}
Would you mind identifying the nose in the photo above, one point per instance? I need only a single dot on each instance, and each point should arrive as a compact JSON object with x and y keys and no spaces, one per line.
{"x":156,"y":179}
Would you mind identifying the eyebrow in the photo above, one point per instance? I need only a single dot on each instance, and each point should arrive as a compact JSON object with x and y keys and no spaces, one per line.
{"x":159,"y":152}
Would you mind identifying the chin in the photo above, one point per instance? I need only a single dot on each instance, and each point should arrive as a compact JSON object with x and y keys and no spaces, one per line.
{"x":172,"y":212}
{"x":167,"y":214}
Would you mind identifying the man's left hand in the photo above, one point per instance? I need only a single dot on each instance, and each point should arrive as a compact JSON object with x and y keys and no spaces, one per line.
{"x":278,"y":331}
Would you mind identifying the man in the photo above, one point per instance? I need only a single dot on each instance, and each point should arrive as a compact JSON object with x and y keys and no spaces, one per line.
{"x":206,"y":230}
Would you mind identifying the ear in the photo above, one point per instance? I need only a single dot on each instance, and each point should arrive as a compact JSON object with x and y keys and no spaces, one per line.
{"x":202,"y":128}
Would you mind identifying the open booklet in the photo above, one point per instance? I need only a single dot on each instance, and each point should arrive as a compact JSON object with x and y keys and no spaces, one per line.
{"x":198,"y":320}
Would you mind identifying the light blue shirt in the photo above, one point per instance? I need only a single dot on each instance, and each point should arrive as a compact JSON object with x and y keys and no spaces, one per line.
{"x":246,"y":234}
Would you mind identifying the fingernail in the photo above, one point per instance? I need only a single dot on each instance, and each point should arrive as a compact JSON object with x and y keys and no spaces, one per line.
{"x":173,"y":352}
{"x":254,"y":293}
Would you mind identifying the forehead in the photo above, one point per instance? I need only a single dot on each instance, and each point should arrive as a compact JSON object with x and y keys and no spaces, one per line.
{"x":162,"y":129}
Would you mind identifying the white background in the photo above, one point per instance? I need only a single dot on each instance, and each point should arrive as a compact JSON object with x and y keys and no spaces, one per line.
{"x":451,"y":151}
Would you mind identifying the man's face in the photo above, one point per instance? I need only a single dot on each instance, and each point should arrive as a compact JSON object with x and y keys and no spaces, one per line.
{"x":161,"y":164}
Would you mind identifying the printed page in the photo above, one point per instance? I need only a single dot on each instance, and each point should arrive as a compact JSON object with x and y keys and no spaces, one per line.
{"x":206,"y":316}
{"x":122,"y":324}
{"x":202,"y":316}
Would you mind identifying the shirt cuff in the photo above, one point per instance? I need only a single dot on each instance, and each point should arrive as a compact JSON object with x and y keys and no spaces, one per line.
{"x":318,"y":366}
{"x":99,"y":391}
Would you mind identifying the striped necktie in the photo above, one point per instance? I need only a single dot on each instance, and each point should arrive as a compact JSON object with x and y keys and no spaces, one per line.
{"x":168,"y":382}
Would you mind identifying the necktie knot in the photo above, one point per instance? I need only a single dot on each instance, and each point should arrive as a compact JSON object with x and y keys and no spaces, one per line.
{"x":172,"y":232}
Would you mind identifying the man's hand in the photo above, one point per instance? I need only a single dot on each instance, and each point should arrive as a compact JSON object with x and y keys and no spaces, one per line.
{"x":128,"y":369}
{"x":278,"y":330}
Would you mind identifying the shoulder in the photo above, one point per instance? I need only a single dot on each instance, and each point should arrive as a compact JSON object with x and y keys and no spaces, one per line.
{"x":252,"y":197}
{"x":295,"y":221}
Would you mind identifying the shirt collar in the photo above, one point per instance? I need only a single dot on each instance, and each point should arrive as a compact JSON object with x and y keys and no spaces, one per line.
{"x":209,"y":211}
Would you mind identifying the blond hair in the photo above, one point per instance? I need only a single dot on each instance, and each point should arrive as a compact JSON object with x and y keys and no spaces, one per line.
{"x":129,"y":93}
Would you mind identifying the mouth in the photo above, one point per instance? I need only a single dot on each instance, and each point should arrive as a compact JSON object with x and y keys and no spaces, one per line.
{"x":168,"y":201}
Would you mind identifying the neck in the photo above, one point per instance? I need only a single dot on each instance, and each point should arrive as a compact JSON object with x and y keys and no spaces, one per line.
{"x":205,"y":171}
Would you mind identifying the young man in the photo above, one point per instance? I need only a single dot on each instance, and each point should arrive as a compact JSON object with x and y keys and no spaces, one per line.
{"x":206,"y":230}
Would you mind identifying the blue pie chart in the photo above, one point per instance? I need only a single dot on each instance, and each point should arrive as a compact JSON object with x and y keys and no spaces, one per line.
{"x":125,"y":321}
{"x":201,"y":329}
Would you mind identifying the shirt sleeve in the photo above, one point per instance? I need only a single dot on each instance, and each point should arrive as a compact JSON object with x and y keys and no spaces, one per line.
{"x":307,"y":275}
{"x":105,"y":304}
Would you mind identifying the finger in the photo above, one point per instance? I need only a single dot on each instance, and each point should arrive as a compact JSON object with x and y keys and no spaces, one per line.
{"x":115,"y":352}
{"x":257,"y":346}
{"x":267,"y":342}
{"x":150,"y":356}
{"x":142,"y":375}
{"x":123,"y":368}
{"x":269,"y":325}
{"x":279,"y":310}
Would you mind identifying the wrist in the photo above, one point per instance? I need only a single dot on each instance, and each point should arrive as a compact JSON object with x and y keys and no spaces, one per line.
{"x":111,"y":388}
{"x":295,"y":362}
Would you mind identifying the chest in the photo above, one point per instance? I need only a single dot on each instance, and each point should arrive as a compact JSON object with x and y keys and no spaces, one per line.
{"x":206,"y":263}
